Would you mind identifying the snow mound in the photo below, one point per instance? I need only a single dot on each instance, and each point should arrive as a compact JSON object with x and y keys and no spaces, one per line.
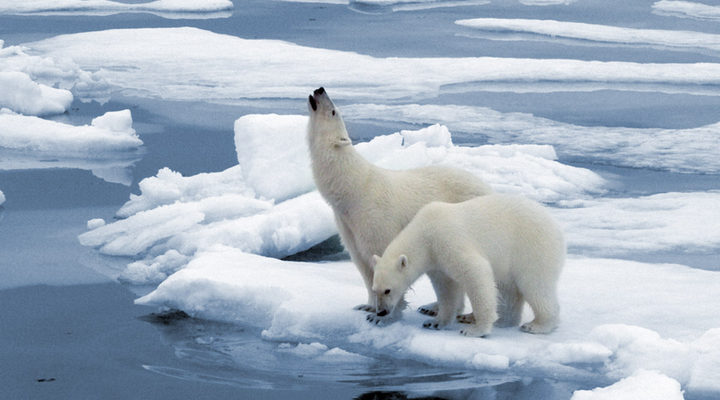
{"x":677,"y":150}
{"x":686,"y":9}
{"x":268,"y":204}
{"x":552,"y":29}
{"x":642,"y":385}
{"x":164,"y":8}
{"x":208,"y":63}
{"x":599,"y":335}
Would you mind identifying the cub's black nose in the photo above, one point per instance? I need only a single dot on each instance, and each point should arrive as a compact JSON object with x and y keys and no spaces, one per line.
{"x":319,"y":91}
{"x":382,"y":313}
{"x":313,"y":103}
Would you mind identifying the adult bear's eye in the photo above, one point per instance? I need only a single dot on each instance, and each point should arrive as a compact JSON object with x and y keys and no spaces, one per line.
{"x":387,"y":291}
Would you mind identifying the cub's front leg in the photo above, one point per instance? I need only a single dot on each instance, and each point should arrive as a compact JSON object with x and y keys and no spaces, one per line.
{"x":449,"y":294}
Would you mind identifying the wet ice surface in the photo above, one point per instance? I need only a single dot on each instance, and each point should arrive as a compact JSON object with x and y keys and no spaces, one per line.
{"x":628,"y":164}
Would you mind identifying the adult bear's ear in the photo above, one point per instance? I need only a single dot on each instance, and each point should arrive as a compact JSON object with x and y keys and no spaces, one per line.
{"x":342,"y":142}
{"x":402,"y":261}
{"x":374,"y":260}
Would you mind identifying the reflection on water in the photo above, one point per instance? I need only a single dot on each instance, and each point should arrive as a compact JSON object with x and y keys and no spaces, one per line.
{"x":229,"y":354}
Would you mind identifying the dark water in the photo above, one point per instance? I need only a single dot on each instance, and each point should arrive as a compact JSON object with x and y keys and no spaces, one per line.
{"x":82,"y":336}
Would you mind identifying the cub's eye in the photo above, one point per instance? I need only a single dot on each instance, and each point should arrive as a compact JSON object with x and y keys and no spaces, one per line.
{"x":333,"y":112}
{"x":387,"y":291}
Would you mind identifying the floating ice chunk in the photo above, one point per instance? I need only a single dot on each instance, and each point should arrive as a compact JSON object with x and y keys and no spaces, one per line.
{"x":208,"y":63}
{"x":111,"y":132}
{"x":677,"y":150}
{"x":642,"y":385}
{"x":597,"y":33}
{"x":2,"y":198}
{"x":164,"y":8}
{"x":661,"y":222}
{"x":273,"y":156}
{"x":686,"y":9}
{"x":95,"y":223}
{"x":21,"y":94}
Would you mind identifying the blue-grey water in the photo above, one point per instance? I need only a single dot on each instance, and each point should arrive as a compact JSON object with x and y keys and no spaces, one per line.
{"x":69,"y":331}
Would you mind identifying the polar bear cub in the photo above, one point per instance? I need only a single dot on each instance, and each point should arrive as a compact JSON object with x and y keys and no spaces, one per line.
{"x":502,"y":250}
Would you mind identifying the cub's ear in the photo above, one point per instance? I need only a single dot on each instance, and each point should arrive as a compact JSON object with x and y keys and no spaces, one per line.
{"x":402,"y":261}
{"x":374,"y":260}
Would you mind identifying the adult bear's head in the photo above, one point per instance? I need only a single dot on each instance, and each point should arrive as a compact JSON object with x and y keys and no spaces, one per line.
{"x":326,"y":126}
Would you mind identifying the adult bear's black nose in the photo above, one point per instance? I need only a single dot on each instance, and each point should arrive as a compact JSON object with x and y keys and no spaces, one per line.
{"x":382,"y":313}
{"x":319,"y":91}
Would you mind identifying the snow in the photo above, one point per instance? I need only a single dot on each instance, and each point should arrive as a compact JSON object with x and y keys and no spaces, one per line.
{"x":677,"y":150}
{"x":598,"y":334}
{"x":642,"y":385}
{"x":164,"y":8}
{"x":686,"y":9}
{"x":597,"y":33}
{"x":205,"y":68}
{"x":268,"y":204}
{"x":108,"y":146}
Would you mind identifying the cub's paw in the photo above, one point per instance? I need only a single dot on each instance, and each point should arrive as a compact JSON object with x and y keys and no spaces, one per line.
{"x":365,"y":307}
{"x":429,"y":309}
{"x":432,"y":324}
{"x":474,"y":331}
{"x":466,"y":318}
{"x":536,"y":328}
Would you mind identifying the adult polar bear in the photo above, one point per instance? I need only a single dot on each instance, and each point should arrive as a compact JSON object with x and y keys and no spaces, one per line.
{"x":490,"y":245}
{"x":372,"y":204}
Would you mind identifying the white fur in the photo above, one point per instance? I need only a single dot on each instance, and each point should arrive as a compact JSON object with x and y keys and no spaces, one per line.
{"x":494,"y":247}
{"x":372,"y":204}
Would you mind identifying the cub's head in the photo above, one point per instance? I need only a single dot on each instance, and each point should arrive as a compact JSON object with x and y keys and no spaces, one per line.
{"x":326,"y":125}
{"x":390,"y":281}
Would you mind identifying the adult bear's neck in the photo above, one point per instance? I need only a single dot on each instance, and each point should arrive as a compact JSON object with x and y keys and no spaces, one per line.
{"x":340,"y":173}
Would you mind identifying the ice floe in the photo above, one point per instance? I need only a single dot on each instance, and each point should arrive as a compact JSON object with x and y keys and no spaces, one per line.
{"x":108,"y":146}
{"x":205,"y":67}
{"x":164,"y":8}
{"x":546,"y":2}
{"x":677,"y":150}
{"x":550,"y":29}
{"x":2,"y":198}
{"x":268,"y":204}
{"x":686,"y":9}
{"x":609,"y":327}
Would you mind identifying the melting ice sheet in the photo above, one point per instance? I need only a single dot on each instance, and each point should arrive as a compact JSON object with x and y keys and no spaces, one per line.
{"x":198,"y":9}
{"x":205,"y":66}
{"x":676,"y":150}
{"x":553,"y":30}
{"x":686,"y":9}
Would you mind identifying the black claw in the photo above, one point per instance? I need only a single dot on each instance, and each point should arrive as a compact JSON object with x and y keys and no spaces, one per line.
{"x":319,"y":91}
{"x":313,"y":103}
